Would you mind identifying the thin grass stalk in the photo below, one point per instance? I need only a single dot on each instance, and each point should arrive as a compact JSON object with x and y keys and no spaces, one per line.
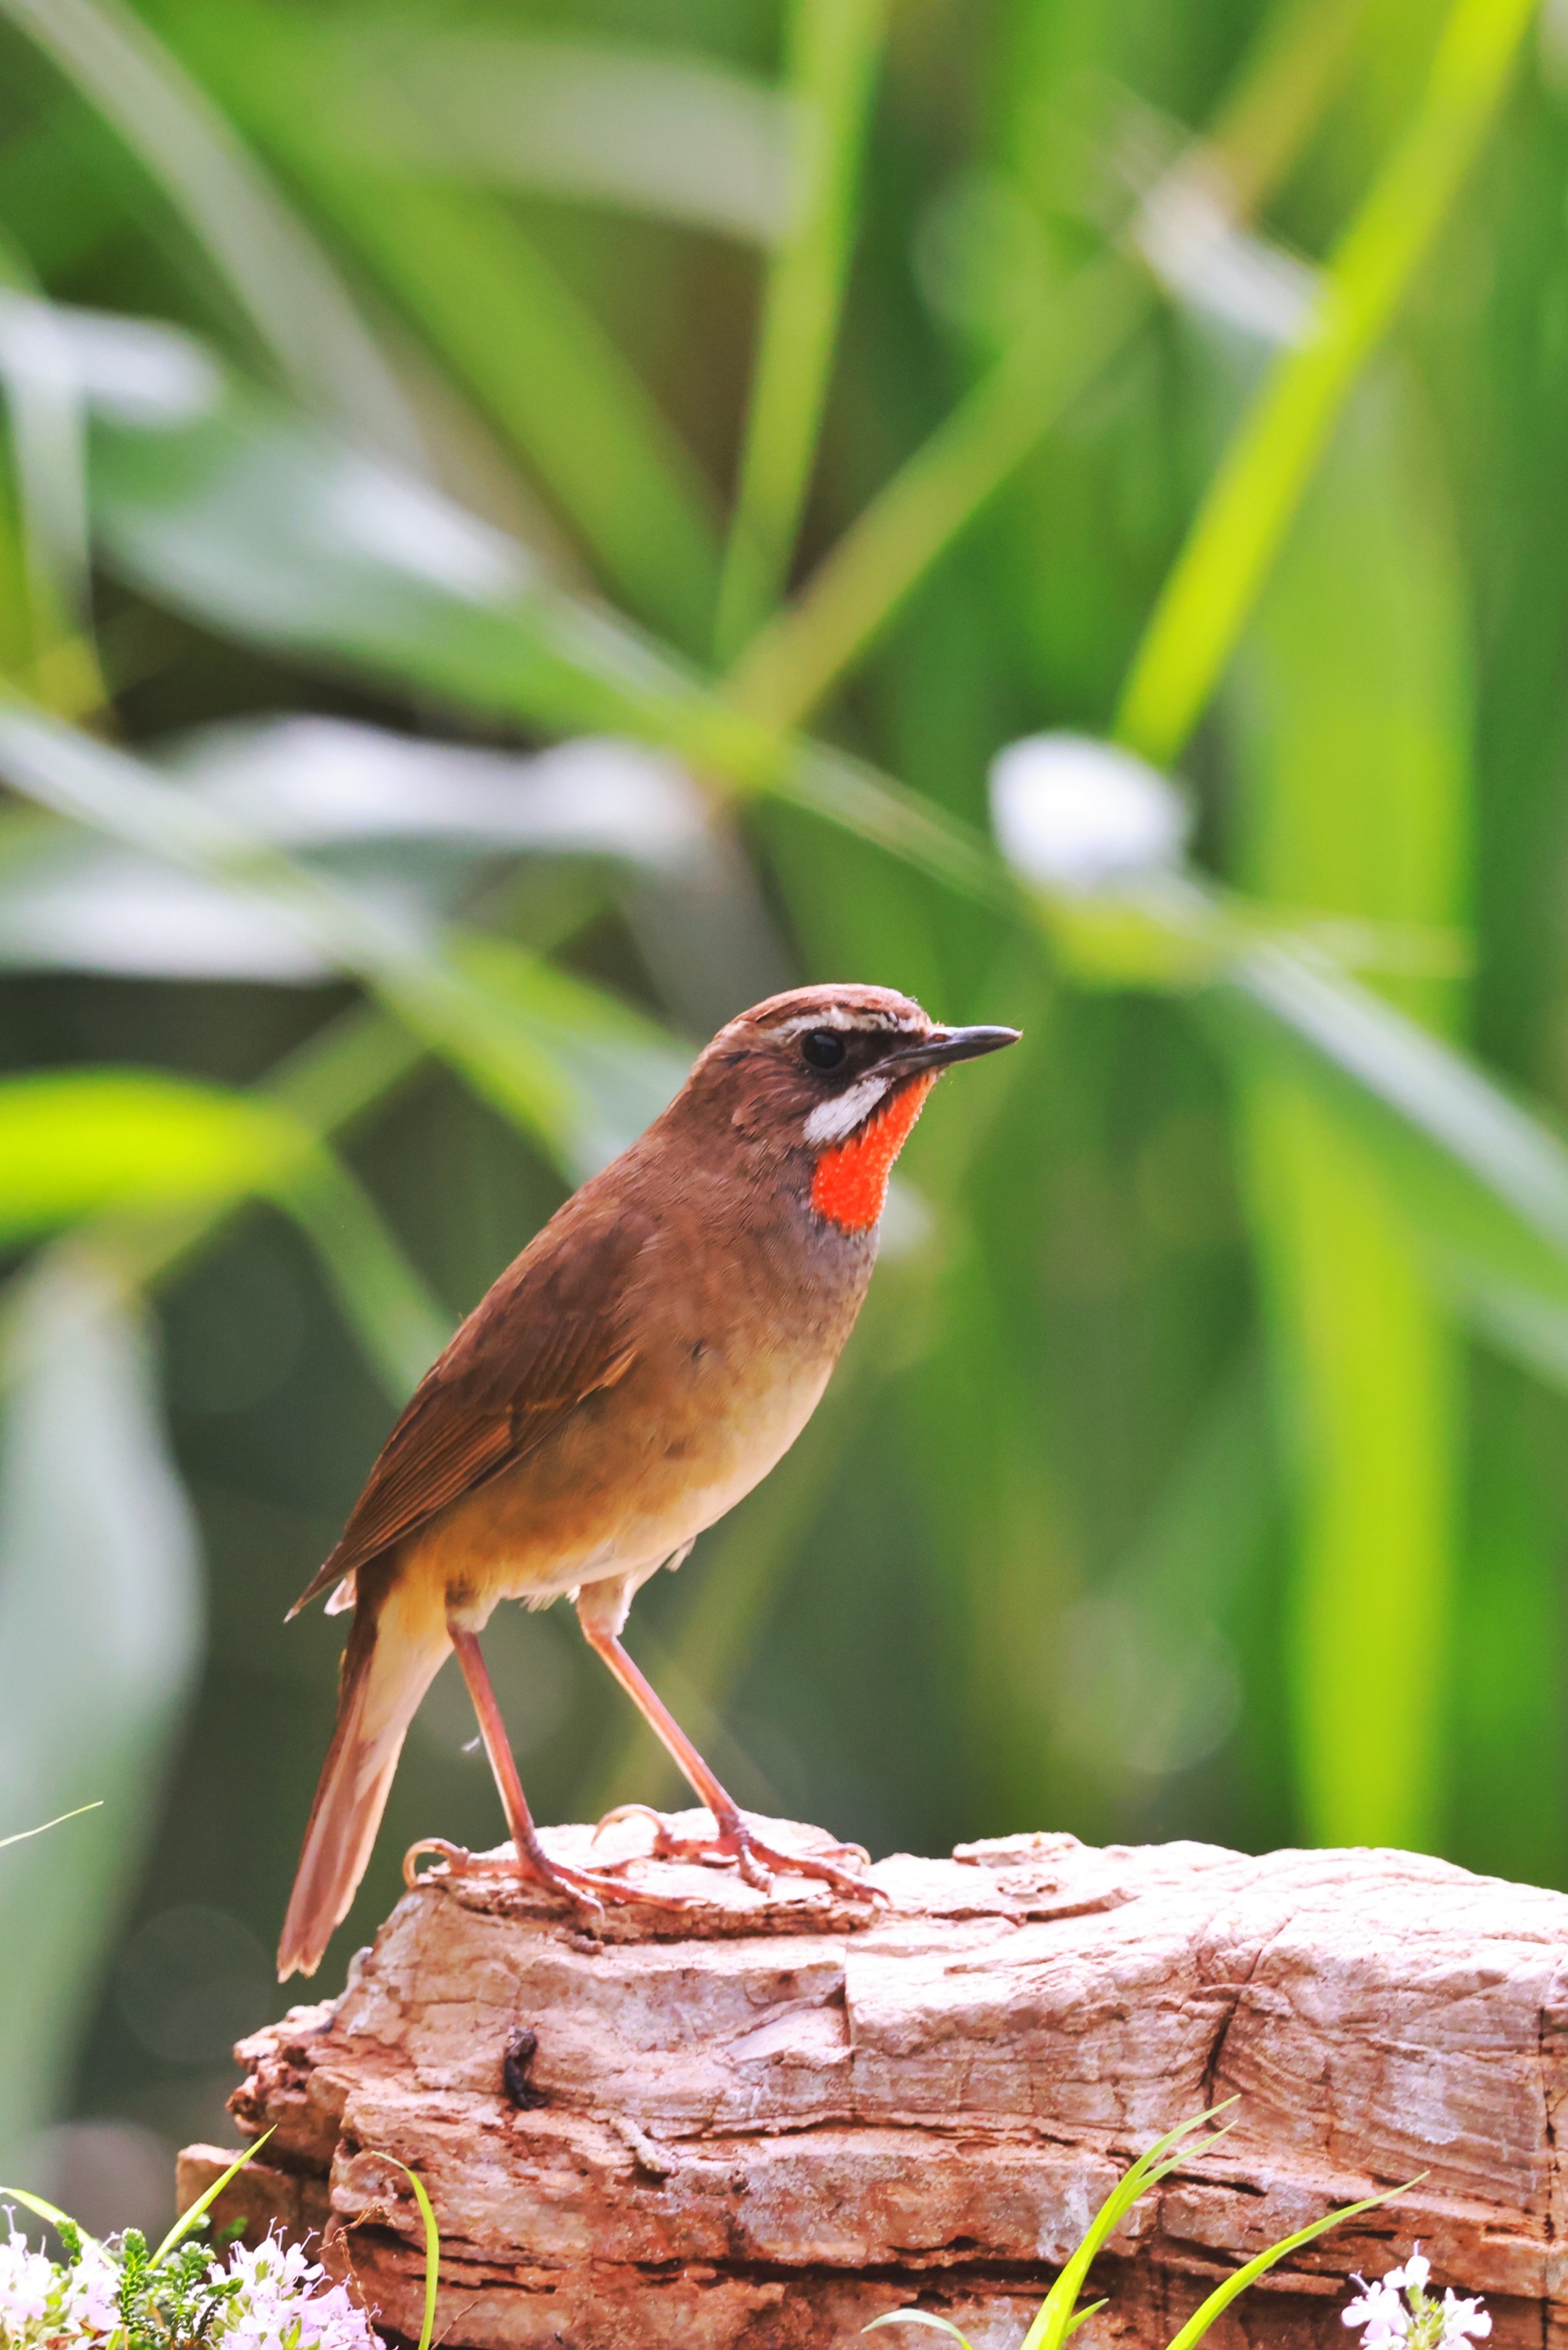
{"x":282,"y":280}
{"x":863,"y":582}
{"x":1211,"y":589}
{"x":834,"y":47}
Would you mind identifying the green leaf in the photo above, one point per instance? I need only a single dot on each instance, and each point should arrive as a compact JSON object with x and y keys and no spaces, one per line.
{"x":496,"y":313}
{"x":125,"y":1143}
{"x":392,"y":816}
{"x":668,"y":134}
{"x":1482,"y":1182}
{"x":287,"y":289}
{"x":1219,"y":2299}
{"x":228,"y":505}
{"x":388,"y":1306}
{"x":35,"y":2203}
{"x":452,"y":1001}
{"x":248,"y":519}
{"x":77,"y":1143}
{"x":101,"y":1618}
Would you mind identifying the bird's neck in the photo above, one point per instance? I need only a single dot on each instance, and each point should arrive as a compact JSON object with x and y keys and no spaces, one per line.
{"x":850,"y":1187}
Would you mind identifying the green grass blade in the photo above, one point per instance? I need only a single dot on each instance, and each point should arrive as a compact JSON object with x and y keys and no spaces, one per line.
{"x":1370,"y":1386}
{"x":205,"y":2201}
{"x":1253,"y":499}
{"x":123,"y":1143}
{"x":1350,"y":727}
{"x":1054,"y":2317}
{"x":23,"y":1834}
{"x":792,"y":663}
{"x":432,"y":2248}
{"x":834,"y":47}
{"x":877,"y":563}
{"x":1219,"y":2299}
{"x":35,"y":2204}
{"x":918,"y":2317}
{"x":495,"y":312}
{"x":665,"y":134}
{"x":255,"y":524}
{"x":287,"y":289}
{"x":506,"y":325}
{"x":284,"y":535}
{"x":452,"y":1001}
{"x":101,"y":1614}
{"x":46,"y":432}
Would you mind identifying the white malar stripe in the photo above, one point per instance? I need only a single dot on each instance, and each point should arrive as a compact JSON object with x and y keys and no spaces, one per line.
{"x":832,"y":1121}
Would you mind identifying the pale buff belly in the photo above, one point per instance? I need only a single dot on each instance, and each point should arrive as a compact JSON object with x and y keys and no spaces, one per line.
{"x":632,"y":1477}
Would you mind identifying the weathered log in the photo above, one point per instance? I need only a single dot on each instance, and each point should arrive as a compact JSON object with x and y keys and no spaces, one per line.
{"x":765,"y":2120}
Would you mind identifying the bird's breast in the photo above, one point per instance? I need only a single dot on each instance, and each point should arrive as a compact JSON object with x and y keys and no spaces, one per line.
{"x":735,"y":1341}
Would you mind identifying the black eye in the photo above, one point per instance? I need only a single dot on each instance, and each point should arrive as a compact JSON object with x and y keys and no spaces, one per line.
{"x":822,"y":1048}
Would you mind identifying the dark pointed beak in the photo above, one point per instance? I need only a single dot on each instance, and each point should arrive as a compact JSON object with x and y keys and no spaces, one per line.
{"x":951,"y":1045}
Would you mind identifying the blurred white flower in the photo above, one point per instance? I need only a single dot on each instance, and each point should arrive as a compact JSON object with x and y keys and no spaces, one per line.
{"x":90,"y":2303}
{"x":27,"y":2280}
{"x":1414,"y":2275}
{"x":1081,"y":815}
{"x":271,"y":2298}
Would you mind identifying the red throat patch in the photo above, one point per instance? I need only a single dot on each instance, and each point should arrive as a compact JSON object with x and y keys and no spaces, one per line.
{"x":850,"y":1185}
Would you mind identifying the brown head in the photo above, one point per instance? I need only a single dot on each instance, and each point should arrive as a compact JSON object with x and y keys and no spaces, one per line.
{"x":833,"y":1078}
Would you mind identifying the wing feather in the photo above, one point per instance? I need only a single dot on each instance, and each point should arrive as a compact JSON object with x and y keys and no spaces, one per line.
{"x":551,"y":1332}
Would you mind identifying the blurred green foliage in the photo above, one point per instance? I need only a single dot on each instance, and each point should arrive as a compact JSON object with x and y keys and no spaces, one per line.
{"x":522,"y":528}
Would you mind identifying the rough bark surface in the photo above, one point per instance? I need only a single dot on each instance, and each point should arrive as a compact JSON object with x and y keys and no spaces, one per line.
{"x":763,"y":2121}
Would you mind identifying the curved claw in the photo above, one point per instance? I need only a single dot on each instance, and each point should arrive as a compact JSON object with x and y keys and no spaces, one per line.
{"x":452,"y":1854}
{"x":634,"y":1812}
{"x":752,"y":1859}
{"x":589,"y":1889}
{"x":811,"y":1863}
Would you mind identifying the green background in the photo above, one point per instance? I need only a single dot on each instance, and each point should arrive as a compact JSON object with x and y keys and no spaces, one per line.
{"x":1194,"y":376}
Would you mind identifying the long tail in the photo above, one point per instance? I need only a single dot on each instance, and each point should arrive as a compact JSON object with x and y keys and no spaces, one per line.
{"x":396,"y":1646}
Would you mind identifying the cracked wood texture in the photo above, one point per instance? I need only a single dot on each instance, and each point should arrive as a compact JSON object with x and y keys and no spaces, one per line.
{"x":754,"y":2123}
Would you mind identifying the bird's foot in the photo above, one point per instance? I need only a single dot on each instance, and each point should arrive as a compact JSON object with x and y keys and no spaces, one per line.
{"x":587,"y":1889}
{"x":734,"y":1844}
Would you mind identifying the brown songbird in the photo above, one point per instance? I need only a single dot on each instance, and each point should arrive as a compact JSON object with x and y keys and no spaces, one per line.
{"x":641,"y":1366}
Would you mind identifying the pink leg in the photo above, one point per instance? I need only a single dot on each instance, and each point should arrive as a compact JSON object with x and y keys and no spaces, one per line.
{"x":734,"y":1840}
{"x":585,"y":1887}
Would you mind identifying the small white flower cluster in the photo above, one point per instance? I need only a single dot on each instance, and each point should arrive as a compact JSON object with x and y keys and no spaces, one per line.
{"x":39,"y":2301}
{"x":280,"y":2304}
{"x":1418,"y":2320}
{"x":272,"y":2298}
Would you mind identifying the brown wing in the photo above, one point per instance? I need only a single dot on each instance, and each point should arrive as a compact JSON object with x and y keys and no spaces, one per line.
{"x":552,"y":1331}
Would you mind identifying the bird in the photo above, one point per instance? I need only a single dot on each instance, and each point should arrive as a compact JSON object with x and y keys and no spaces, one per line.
{"x":647,"y":1358}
